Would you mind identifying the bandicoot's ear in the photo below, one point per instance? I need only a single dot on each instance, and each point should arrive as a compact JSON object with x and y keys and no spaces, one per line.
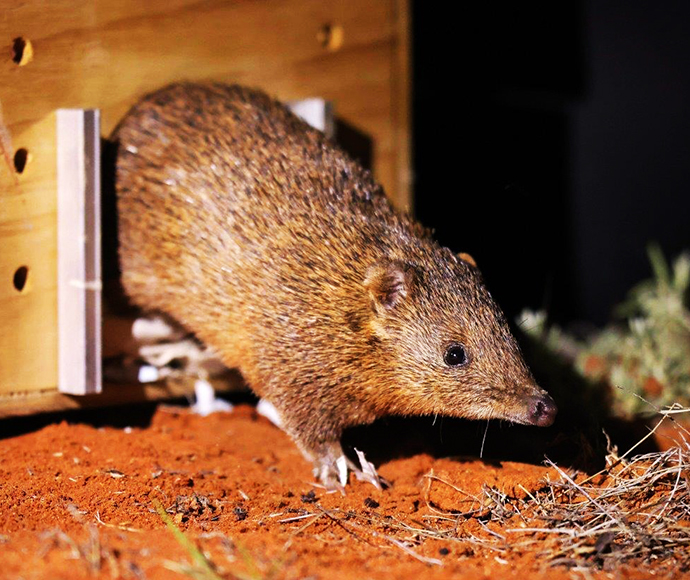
{"x":467,"y":258}
{"x":388,"y":283}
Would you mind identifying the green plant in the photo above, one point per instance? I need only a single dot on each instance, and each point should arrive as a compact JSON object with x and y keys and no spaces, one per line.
{"x":649,"y":354}
{"x":201,"y":568}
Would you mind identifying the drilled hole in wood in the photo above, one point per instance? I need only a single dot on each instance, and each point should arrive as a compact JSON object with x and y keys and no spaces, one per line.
{"x":21,"y":158}
{"x":22,"y":51}
{"x":331,"y":36}
{"x":20,"y":278}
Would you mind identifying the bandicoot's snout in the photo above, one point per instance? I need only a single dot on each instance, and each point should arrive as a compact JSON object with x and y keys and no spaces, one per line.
{"x":542,"y":410}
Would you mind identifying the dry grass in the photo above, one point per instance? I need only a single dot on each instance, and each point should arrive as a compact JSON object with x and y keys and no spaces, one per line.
{"x":645,"y":352}
{"x":636,"y":511}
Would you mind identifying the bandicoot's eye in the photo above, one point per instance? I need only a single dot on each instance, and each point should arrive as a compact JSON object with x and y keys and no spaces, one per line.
{"x":455,"y":355}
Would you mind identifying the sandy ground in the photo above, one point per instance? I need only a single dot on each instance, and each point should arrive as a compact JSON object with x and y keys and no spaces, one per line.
{"x":78,"y":501}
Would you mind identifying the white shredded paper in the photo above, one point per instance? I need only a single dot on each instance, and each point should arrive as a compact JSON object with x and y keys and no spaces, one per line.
{"x":368,"y":472}
{"x":206,"y":401}
{"x":267,"y":409}
{"x":154,"y":329}
{"x":148,"y":374}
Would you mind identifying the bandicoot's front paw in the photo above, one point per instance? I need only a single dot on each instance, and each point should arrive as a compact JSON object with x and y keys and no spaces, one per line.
{"x":333,"y":470}
{"x":332,"y":467}
{"x":332,"y":473}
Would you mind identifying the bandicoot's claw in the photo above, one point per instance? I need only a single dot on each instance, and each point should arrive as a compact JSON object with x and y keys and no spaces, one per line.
{"x":334,"y":474}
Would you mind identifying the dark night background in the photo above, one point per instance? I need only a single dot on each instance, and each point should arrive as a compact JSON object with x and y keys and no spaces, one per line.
{"x":552,"y":142}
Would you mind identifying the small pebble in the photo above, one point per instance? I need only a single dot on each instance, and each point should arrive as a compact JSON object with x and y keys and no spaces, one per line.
{"x":371,"y":503}
{"x":309,"y":497}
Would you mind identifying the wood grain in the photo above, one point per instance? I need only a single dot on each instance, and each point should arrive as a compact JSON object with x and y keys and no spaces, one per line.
{"x":16,"y":404}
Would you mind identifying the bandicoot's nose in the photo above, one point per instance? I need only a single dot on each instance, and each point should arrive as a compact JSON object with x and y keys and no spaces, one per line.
{"x":543,"y":411}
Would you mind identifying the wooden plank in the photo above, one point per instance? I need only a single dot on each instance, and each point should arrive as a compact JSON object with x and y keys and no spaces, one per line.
{"x":112,"y":394}
{"x":79,"y":251}
{"x":401,"y":109}
{"x":99,"y":54}
{"x":28,"y":230}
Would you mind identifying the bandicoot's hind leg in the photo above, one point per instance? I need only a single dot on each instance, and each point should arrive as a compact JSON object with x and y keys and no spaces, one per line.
{"x":331,"y":465}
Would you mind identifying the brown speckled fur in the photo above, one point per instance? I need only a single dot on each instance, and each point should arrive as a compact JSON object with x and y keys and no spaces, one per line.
{"x":260,"y":236}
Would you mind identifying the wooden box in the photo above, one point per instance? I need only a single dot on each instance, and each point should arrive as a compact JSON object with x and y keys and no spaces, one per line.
{"x":106,"y":54}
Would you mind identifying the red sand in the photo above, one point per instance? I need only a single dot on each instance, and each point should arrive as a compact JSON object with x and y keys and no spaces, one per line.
{"x":79,"y":502}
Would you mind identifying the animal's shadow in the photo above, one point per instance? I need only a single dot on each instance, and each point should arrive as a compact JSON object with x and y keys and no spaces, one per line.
{"x":565,"y":444}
